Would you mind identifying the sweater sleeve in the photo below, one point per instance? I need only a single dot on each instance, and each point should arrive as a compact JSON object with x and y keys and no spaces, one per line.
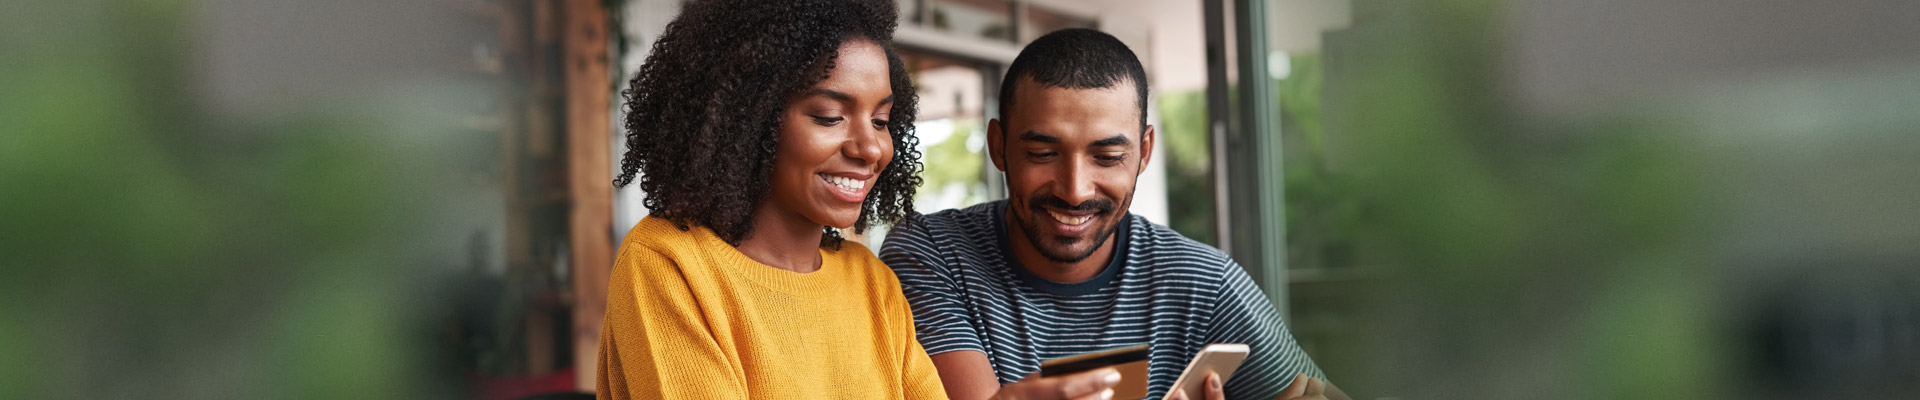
{"x":656,"y":343}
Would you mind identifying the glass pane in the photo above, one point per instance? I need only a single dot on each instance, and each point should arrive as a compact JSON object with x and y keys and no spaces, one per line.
{"x":1041,"y":20}
{"x":986,"y":19}
{"x":952,"y":131}
{"x":1324,"y":286}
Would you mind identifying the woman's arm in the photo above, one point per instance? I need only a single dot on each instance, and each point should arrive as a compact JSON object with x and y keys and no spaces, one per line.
{"x":655,"y":342}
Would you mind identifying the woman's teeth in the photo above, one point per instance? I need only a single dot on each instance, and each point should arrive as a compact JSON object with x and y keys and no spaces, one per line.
{"x":1069,"y":219}
{"x":844,"y":182}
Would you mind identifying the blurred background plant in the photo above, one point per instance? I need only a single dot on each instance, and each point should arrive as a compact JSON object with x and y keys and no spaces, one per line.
{"x":158,"y":246}
{"x":1563,"y":213}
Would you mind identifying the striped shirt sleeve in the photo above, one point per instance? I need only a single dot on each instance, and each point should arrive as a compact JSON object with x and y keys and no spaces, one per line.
{"x":1244,"y":315}
{"x":939,"y":316}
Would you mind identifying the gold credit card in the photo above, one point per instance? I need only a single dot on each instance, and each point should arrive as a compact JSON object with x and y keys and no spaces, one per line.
{"x":1131,"y":361}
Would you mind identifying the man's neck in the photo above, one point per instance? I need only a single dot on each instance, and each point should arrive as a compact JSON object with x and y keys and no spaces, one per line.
{"x":783,"y":240}
{"x":1074,"y":272}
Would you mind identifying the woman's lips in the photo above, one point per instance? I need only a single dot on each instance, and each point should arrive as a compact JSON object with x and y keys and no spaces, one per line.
{"x":847,"y":187}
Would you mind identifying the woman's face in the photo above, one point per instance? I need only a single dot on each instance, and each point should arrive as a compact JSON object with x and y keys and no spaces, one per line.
{"x":834,"y":140}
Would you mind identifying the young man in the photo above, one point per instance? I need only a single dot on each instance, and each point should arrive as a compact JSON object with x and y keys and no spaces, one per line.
{"x":1060,"y":267}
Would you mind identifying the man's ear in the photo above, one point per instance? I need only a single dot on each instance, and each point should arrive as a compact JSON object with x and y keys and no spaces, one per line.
{"x":1146,"y":149}
{"x":996,"y":145}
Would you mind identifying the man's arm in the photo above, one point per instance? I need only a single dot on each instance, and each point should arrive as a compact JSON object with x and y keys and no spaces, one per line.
{"x":1242,"y":314}
{"x":967,"y":375}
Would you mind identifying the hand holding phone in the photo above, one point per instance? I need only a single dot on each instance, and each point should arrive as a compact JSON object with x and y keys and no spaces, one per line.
{"x":1216,"y":359}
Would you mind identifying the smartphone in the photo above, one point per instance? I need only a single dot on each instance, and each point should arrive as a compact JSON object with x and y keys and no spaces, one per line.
{"x":1131,"y":361}
{"x":1221,"y":359}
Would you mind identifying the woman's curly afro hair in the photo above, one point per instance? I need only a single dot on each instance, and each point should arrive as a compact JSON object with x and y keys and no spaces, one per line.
{"x":703,"y":113}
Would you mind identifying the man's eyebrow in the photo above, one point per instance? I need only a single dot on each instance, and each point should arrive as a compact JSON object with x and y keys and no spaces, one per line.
{"x":1116,"y":140}
{"x":1031,"y":136}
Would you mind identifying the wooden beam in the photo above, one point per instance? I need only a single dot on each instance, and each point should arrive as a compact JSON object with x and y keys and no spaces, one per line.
{"x":589,"y":176}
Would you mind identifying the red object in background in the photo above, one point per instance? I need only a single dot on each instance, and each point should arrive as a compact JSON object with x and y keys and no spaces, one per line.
{"x":514,"y":387}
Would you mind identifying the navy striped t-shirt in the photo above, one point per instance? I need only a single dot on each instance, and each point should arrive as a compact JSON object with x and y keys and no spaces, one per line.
{"x":1162,"y":289}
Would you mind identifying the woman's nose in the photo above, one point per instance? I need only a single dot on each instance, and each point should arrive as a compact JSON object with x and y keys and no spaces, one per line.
{"x":867,"y":142}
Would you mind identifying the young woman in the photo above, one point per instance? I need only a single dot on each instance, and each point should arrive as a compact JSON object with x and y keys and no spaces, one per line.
{"x":756,"y":129}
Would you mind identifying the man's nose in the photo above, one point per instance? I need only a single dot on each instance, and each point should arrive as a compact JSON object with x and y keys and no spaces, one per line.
{"x":1075,"y":184}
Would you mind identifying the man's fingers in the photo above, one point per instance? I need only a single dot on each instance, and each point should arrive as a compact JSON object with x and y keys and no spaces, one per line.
{"x":1216,"y":390}
{"x":1089,"y":383}
{"x":1297,"y":388}
{"x":1316,"y":387}
{"x":1177,"y":395}
{"x":1101,"y":395}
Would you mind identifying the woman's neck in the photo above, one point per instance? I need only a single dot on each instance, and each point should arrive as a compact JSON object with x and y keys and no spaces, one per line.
{"x":783,"y":240}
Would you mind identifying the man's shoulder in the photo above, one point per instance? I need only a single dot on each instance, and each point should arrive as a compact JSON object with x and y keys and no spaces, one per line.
{"x":1164,"y":248}
{"x":970,"y":223}
{"x":932,"y":241}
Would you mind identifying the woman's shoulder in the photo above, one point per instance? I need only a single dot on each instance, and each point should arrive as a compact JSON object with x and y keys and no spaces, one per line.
{"x":863,"y":264}
{"x":660,"y":233}
{"x":659,"y":240}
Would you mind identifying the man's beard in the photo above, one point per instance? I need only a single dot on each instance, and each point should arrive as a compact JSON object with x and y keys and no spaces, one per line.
{"x":1103,"y":208}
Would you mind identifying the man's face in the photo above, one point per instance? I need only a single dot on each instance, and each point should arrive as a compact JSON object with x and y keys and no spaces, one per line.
{"x":1071,"y":158}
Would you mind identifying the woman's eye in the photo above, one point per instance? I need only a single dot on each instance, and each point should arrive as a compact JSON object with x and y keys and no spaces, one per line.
{"x":880,"y":124}
{"x":828,"y":121}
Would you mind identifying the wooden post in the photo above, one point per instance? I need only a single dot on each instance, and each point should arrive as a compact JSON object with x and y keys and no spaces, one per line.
{"x":589,"y":176}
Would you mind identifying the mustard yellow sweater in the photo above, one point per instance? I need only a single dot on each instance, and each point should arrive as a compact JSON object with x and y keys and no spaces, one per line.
{"x":690,"y":317}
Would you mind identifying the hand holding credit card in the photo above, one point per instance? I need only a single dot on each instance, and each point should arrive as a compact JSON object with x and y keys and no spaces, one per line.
{"x":1131,"y":361}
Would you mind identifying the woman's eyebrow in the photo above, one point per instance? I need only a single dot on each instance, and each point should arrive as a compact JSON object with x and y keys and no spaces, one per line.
{"x":840,"y":97}
{"x":837,"y":96}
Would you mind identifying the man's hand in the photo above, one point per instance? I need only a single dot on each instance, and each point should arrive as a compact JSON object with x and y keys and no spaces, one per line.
{"x":1303,"y":388}
{"x":1089,"y":385}
{"x":1214,"y":390}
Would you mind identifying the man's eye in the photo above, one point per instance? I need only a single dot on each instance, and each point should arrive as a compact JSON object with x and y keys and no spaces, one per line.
{"x":828,"y":121}
{"x":1111,"y":159}
{"x":1040,"y":154}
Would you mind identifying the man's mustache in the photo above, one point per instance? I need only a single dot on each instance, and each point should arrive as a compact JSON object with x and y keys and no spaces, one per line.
{"x":1041,"y":201}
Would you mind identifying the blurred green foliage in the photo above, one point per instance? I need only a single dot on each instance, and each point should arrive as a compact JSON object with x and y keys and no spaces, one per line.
{"x":1525,"y":258}
{"x":156,"y":250}
{"x":1183,"y":133}
{"x":957,"y":164}
{"x":1322,"y":215}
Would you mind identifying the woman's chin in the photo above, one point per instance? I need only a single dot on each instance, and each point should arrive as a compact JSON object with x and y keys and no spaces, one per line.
{"x":842,"y":220}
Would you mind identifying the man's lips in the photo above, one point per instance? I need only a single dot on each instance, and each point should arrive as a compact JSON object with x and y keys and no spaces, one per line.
{"x":1071,"y":218}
